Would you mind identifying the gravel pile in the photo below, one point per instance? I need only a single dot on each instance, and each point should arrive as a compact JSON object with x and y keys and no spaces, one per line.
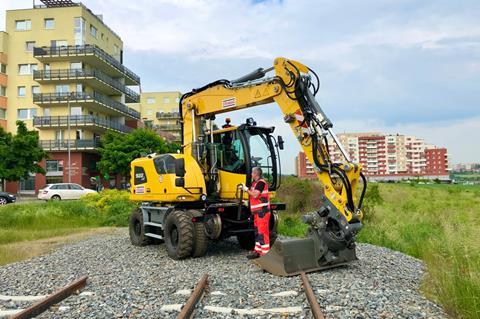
{"x":142,"y":282}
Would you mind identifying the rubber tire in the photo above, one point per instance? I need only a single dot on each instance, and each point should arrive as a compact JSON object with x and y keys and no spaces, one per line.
{"x":55,"y":197}
{"x":273,"y":232}
{"x":136,"y":220}
{"x":3,"y":200}
{"x":246,"y":240}
{"x":181,"y":221}
{"x":200,"y":240}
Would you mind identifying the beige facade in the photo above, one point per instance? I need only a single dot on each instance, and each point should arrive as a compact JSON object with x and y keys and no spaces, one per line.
{"x":65,"y":69}
{"x":159,"y":110}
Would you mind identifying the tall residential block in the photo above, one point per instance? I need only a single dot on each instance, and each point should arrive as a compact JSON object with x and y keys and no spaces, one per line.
{"x":159,"y":111}
{"x":66,"y":79}
{"x":393,"y":156}
{"x":3,"y":78}
{"x":303,"y":167}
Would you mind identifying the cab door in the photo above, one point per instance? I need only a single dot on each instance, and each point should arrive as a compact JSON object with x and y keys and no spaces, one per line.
{"x":231,"y":162}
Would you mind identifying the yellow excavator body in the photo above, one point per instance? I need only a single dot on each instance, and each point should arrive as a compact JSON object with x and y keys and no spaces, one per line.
{"x":198,"y":194}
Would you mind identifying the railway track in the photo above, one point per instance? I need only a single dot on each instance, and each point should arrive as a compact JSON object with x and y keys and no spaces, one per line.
{"x":46,"y":302}
{"x":187,"y":310}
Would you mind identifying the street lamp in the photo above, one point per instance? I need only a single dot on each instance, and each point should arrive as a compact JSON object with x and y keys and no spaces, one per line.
{"x":68,"y":137}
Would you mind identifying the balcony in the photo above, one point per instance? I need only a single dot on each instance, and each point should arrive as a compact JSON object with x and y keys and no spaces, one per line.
{"x":169,"y":115}
{"x":94,"y":100}
{"x":75,"y":145}
{"x":172,"y":127}
{"x":91,"y":121}
{"x":92,"y":77}
{"x":90,"y":54}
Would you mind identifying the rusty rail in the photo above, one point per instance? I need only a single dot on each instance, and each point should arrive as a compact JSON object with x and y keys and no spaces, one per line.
{"x":42,"y":305}
{"x":312,"y":300}
{"x":197,"y":294}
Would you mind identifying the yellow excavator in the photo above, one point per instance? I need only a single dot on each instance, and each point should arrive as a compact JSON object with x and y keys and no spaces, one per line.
{"x":195,"y":196}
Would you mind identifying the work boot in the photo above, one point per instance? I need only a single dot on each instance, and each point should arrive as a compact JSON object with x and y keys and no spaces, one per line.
{"x":253,"y":255}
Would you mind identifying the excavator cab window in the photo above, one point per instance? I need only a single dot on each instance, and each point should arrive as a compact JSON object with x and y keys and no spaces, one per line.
{"x":262,"y":154}
{"x":230,"y":152}
{"x":164,"y":164}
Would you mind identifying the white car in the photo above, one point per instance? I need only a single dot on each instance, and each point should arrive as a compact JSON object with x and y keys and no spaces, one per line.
{"x":63,"y":191}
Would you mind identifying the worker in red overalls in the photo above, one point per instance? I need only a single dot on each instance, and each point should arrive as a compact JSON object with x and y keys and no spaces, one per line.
{"x":260,"y":208}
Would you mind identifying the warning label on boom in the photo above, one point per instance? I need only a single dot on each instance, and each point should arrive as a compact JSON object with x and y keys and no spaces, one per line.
{"x":230,"y":102}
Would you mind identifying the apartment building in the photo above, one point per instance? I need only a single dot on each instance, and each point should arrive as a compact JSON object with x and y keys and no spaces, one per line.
{"x":66,"y":79}
{"x":393,"y":156}
{"x":3,"y":78}
{"x":159,"y":111}
{"x":303,"y":167}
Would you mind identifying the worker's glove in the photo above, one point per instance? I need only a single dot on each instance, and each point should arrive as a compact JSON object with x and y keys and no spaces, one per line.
{"x":245,"y":188}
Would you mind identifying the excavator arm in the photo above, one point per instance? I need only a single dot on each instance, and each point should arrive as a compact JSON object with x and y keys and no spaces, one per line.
{"x":292,"y":87}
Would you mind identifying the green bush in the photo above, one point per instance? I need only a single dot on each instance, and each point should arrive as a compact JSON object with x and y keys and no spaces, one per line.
{"x":371,"y":200}
{"x":114,"y":206}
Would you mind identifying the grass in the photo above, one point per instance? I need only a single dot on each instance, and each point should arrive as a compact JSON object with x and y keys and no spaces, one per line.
{"x":21,"y":250}
{"x":39,"y":220}
{"x":436,"y":223}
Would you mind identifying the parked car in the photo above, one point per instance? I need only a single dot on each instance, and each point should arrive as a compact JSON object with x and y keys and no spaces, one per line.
{"x":63,"y":191}
{"x":7,"y":198}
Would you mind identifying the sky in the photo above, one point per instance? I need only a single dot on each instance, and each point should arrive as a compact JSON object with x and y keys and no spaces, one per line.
{"x":405,"y":66}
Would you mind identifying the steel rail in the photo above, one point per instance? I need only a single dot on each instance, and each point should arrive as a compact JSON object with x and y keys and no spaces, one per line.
{"x":42,"y":305}
{"x":195,"y":297}
{"x":312,"y":300}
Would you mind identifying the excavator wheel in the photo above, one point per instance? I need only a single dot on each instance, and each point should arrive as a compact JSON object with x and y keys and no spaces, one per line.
{"x":200,"y":240}
{"x":137,"y":230}
{"x":179,"y":234}
{"x":273,"y":223}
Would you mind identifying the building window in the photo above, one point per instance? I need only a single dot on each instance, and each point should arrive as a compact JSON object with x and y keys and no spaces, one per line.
{"x":22,"y":114}
{"x":29,"y":46}
{"x":49,"y":23}
{"x":58,"y":43}
{"x":150,"y":100}
{"x":3,"y":68}
{"x":79,"y":31}
{"x":24,"y":69}
{"x":93,"y":31}
{"x":149,"y":112}
{"x":53,"y":166}
{"x":62,"y":88}
{"x":3,"y":114}
{"x":76,"y":65}
{"x":21,"y":91}
{"x":177,"y":99}
{"x":23,"y":25}
{"x":3,"y":91}
{"x":35,"y":89}
{"x":166,"y":100}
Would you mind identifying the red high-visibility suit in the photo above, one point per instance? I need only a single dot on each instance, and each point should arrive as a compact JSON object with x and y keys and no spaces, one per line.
{"x":260,"y":208}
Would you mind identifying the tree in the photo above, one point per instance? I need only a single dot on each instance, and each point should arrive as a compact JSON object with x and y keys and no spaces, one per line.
{"x":118,"y":150}
{"x":20,"y":154}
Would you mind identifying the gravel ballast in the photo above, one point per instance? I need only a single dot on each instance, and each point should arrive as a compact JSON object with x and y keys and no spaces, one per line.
{"x":142,"y":282}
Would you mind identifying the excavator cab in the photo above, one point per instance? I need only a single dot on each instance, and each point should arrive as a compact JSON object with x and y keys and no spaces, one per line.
{"x":237,"y":149}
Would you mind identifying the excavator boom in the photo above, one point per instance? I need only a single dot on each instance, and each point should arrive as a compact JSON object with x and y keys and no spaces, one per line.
{"x":330,"y":239}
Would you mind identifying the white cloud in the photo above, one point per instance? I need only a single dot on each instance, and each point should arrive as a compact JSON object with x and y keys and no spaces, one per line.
{"x":400,"y":67}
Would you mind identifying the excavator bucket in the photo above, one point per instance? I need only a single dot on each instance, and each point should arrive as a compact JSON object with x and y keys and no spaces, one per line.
{"x":292,"y":256}
{"x":322,"y":249}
